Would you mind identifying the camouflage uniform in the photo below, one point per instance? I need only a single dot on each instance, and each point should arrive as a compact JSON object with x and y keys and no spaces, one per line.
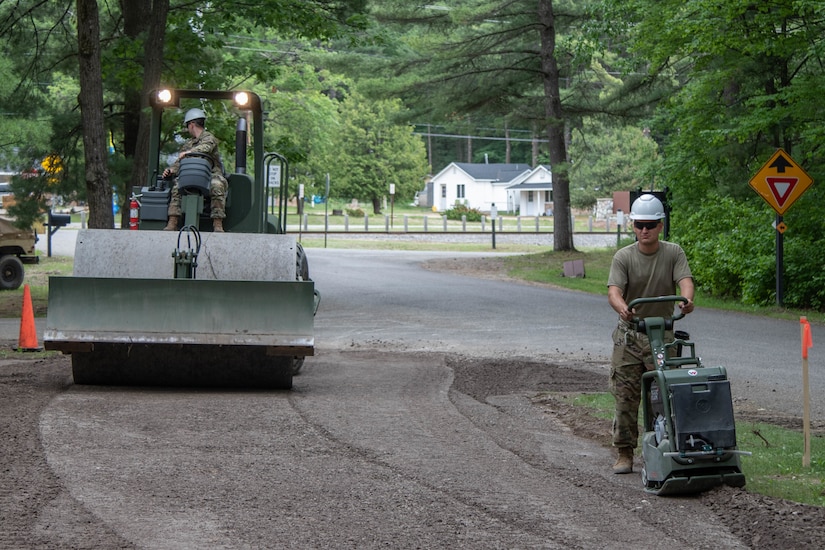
{"x":631,"y":358}
{"x":639,"y":275}
{"x":207,"y":144}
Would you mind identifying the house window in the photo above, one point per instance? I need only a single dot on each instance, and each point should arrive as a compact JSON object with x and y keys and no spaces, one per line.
{"x":443,"y":191}
{"x":548,"y":196}
{"x":529,"y":196}
{"x":459,"y":191}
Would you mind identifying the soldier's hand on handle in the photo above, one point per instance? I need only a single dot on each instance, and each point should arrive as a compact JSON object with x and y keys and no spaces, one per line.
{"x":627,"y":314}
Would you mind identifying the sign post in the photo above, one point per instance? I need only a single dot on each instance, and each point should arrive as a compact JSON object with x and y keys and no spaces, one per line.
{"x":780,"y":181}
{"x":326,"y":210}
{"x":807,"y":342}
{"x":493,"y":215}
{"x":392,"y":203}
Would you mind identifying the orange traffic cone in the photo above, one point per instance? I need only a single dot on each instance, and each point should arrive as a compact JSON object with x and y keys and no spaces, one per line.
{"x":28,"y":330}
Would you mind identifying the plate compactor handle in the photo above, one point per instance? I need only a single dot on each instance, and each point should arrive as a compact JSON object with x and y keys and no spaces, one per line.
{"x":640,"y":323}
{"x":674,"y":298}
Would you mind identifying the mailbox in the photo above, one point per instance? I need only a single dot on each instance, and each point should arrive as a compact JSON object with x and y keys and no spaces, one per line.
{"x":59,"y":220}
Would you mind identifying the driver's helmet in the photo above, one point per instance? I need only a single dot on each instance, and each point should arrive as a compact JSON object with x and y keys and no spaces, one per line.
{"x":647,"y":208}
{"x":193,"y":114}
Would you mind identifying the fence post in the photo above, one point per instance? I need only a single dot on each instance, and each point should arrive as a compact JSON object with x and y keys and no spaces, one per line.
{"x":386,"y":223}
{"x":483,"y":222}
{"x":306,"y":222}
{"x":366,"y":222}
{"x":346,"y":223}
{"x":518,"y":224}
{"x":464,"y":223}
{"x":537,"y":224}
{"x":444,"y":222}
{"x":406,"y":226}
{"x":425,"y":224}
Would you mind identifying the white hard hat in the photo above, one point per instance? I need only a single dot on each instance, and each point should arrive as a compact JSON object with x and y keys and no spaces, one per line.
{"x":647,"y":208}
{"x":193,"y":114}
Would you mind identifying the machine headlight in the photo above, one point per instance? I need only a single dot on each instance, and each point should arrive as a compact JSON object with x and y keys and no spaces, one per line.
{"x":164,"y":96}
{"x":242,"y":99}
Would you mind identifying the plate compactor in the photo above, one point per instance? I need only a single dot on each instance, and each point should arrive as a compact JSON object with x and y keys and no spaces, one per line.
{"x":689,"y":441}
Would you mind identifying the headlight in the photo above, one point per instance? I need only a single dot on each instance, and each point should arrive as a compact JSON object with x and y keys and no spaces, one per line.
{"x":242,"y":99}
{"x":164,"y":97}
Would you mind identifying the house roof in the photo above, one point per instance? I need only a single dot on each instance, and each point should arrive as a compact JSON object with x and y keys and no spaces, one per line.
{"x":538,"y":179}
{"x":493,"y":172}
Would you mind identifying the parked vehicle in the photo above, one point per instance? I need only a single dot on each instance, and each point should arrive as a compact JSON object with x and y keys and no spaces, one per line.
{"x":17,"y":247}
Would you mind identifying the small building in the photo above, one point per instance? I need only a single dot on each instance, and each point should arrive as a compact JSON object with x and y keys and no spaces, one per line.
{"x":475,"y":185}
{"x":532,"y":193}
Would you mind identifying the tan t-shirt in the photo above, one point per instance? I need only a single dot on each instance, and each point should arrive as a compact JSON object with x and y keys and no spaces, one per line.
{"x":641,"y":275}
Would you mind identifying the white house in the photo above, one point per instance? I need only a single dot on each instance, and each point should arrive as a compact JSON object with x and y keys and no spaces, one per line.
{"x":475,"y":185}
{"x":532,"y":193}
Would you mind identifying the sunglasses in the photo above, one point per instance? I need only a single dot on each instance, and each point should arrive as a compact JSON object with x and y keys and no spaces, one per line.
{"x":646,"y":225}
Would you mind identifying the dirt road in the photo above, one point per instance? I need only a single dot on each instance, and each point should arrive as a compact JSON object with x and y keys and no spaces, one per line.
{"x":371,"y":449}
{"x":387,"y":440}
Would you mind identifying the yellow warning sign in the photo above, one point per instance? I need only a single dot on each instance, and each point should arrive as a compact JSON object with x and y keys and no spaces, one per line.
{"x":781,"y":181}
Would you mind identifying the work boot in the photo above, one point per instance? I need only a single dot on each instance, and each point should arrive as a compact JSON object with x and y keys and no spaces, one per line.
{"x":624,"y":464}
{"x":217,"y":225}
{"x":173,"y":224}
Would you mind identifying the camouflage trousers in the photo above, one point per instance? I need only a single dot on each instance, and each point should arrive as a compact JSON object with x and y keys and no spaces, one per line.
{"x":631,"y":358}
{"x":217,"y":198}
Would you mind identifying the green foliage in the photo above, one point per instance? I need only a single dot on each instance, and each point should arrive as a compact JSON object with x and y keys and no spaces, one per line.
{"x":804,"y":277}
{"x":720,"y":85}
{"x":803,"y":252}
{"x":744,"y":77}
{"x":459,"y":210}
{"x":371,"y":151}
{"x":608,"y":158}
{"x":31,"y":199}
{"x":729,"y":247}
{"x":211,"y":45}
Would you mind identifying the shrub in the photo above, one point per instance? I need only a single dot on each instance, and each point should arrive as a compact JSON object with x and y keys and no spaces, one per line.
{"x":729,"y":245}
{"x":455,"y":213}
{"x":731,"y":248}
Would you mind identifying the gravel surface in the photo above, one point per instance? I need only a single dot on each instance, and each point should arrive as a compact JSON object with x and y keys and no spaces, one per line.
{"x":409,"y":488}
{"x":377,"y":446}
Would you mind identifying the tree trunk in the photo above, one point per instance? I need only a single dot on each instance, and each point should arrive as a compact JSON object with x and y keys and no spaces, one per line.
{"x":136,"y":22}
{"x":152,"y":69}
{"x":98,"y":188}
{"x":554,"y":122}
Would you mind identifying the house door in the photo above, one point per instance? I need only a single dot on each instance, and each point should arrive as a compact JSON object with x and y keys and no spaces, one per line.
{"x":443,"y":205}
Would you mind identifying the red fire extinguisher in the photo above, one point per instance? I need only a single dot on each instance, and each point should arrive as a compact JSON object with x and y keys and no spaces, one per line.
{"x":134,"y":205}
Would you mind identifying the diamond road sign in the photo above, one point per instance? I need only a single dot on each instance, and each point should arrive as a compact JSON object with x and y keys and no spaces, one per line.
{"x":780,"y":181}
